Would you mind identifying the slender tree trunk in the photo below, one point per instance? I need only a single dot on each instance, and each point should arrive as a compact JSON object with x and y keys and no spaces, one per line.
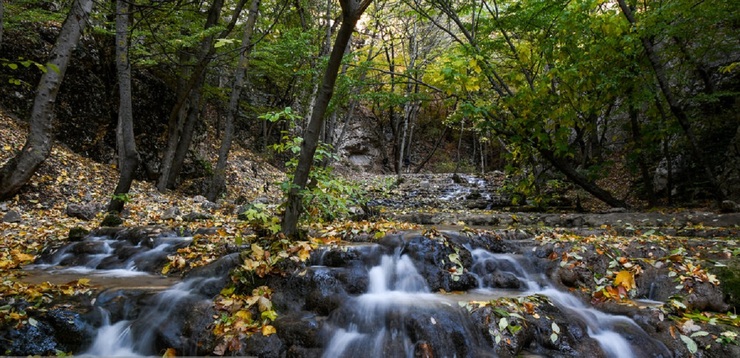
{"x":186,"y":135}
{"x":218,"y":181}
{"x":431,"y":154}
{"x":675,"y":107}
{"x":641,"y":155}
{"x":167,"y":175}
{"x":459,"y":147}
{"x":351,"y":12}
{"x":128,"y":157}
{"x":17,"y":171}
{"x":566,"y":168}
{"x":2,"y":22}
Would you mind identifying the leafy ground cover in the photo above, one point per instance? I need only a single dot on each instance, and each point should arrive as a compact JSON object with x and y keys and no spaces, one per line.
{"x":609,"y":269}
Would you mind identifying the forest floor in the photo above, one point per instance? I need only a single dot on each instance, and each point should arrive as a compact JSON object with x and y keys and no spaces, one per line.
{"x":68,"y":178}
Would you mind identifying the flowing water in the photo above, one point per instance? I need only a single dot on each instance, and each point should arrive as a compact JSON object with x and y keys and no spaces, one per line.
{"x":396,"y":288}
{"x":390,"y":319}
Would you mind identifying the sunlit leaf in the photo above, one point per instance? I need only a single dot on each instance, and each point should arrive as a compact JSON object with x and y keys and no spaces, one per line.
{"x":625,"y":279}
{"x":268,"y":330}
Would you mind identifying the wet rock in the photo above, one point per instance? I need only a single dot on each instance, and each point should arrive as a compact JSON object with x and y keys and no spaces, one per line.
{"x":444,"y":332}
{"x":12,"y":216}
{"x":326,"y":292}
{"x":299,"y":329}
{"x":258,"y":345}
{"x":435,"y":262}
{"x":706,"y":297}
{"x":218,"y":272}
{"x":70,"y":328}
{"x":83,"y":211}
{"x":30,"y":339}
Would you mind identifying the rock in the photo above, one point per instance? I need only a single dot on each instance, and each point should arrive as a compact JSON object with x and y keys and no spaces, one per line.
{"x":729,"y":206}
{"x":30,"y":340}
{"x":299,"y":329}
{"x":111,"y":220}
{"x":77,"y":233}
{"x":171,"y":213}
{"x":12,"y":216}
{"x":70,"y":328}
{"x":194,"y":216}
{"x":209,"y":205}
{"x":356,"y":211}
{"x":85,"y":211}
{"x":199,"y":199}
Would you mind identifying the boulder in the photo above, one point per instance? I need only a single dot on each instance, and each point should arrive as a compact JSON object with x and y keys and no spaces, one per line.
{"x":12,"y":216}
{"x":85,"y":212}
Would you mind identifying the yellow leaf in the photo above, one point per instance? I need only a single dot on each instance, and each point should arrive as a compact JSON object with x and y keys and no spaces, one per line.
{"x":257,"y":252}
{"x":268,"y":330}
{"x":170,"y":352}
{"x":626,"y":279}
{"x":242,"y":314}
{"x":83,"y":281}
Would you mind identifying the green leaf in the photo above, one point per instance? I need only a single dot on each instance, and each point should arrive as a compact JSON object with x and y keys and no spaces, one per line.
{"x":13,"y":66}
{"x":690,"y":344}
{"x":554,"y":337}
{"x":503,"y":323}
{"x":270,"y":314}
{"x":555,"y":327}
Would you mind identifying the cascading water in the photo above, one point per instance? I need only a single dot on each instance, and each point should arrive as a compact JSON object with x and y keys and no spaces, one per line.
{"x":143,"y":315}
{"x":383,"y":321}
{"x":602,"y":327}
{"x":137,"y":336}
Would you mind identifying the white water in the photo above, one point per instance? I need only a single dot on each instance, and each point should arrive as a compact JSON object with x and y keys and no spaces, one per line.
{"x":108,"y":250}
{"x":599,"y":324}
{"x":394,"y":286}
{"x":459,"y":192}
{"x":118,"y":340}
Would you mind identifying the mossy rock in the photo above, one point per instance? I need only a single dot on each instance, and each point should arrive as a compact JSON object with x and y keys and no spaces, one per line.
{"x":77,"y":233}
{"x":729,"y":278}
{"x":112,"y":220}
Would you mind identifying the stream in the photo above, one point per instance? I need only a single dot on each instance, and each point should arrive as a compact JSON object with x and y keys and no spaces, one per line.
{"x":403,"y":297}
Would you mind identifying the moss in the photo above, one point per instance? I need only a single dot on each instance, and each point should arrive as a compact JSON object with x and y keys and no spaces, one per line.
{"x":77,"y":233}
{"x":112,"y":220}
{"x":729,"y":277}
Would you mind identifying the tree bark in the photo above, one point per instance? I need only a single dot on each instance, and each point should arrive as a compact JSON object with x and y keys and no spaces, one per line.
{"x":571,"y":173}
{"x":17,"y":171}
{"x":675,"y":107}
{"x":2,"y":22}
{"x":178,"y":129}
{"x":351,"y":12}
{"x":218,"y":181}
{"x":128,"y":157}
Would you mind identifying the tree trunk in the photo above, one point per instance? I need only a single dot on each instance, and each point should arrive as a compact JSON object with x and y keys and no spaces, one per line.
{"x":351,"y":12}
{"x":675,"y":107}
{"x":218,"y":181}
{"x":566,"y":168}
{"x":128,"y":158}
{"x":641,"y":155}
{"x":186,"y":135}
{"x":2,"y":22}
{"x":178,"y":129}
{"x":431,"y":153}
{"x":17,"y":171}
